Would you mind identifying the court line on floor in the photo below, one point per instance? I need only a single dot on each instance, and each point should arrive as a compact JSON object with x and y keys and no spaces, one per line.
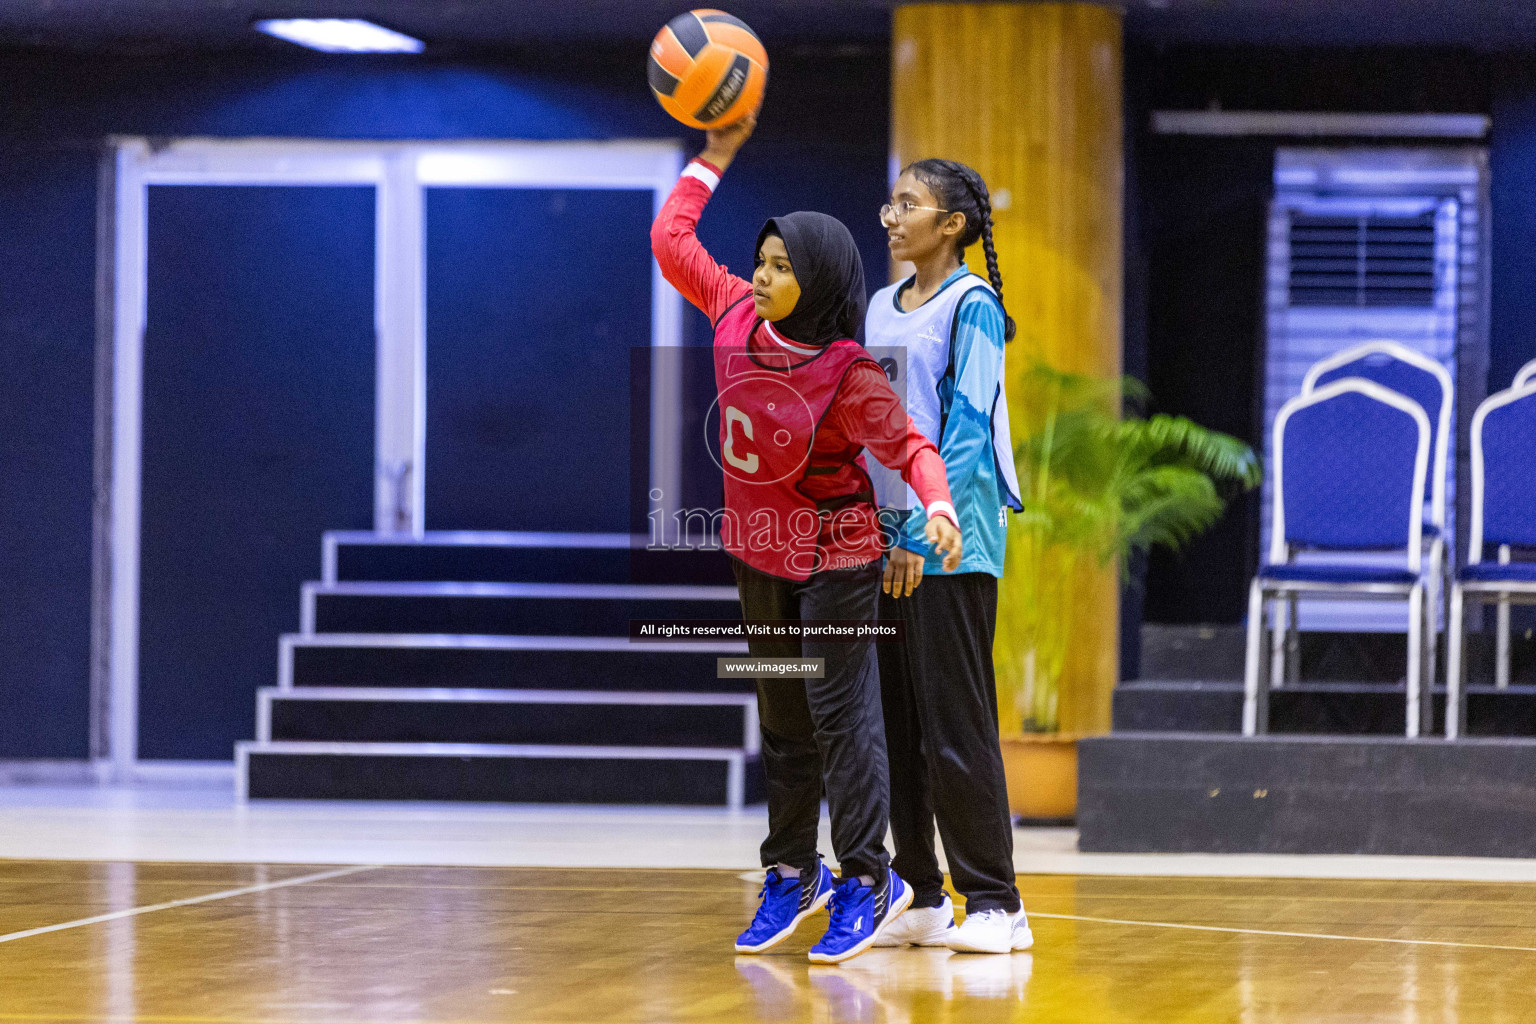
{"x":247,"y":890}
{"x":1284,"y":935}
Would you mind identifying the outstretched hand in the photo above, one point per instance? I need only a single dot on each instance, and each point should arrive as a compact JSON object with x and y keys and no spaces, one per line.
{"x":944,"y":536}
{"x":722,"y":144}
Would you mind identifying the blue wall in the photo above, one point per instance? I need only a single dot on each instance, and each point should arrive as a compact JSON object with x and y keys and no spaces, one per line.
{"x":821,"y":144}
{"x":258,"y":435}
{"x":47,"y":346}
{"x":1512,"y":168}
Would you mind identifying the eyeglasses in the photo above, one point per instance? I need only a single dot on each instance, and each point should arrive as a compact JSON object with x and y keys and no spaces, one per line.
{"x":898,"y":213}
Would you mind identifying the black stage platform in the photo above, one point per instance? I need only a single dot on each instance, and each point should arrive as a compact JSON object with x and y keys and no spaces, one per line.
{"x":1334,"y":774}
{"x":1192,"y":793}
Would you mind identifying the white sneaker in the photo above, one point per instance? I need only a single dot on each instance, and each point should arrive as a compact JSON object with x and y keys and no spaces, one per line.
{"x":923,"y":926}
{"x":1023,"y":938}
{"x":992,"y":931}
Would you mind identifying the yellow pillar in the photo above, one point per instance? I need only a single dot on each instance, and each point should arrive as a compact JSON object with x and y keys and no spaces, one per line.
{"x":1030,"y":95}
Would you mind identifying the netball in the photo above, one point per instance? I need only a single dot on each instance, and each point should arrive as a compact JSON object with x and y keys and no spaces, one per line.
{"x":707,"y":68}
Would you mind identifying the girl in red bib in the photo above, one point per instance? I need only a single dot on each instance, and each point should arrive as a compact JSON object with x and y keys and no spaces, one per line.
{"x":799,"y":402}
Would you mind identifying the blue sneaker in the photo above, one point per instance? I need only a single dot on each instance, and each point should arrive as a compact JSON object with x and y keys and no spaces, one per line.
{"x":859,"y":914}
{"x":786,"y":902}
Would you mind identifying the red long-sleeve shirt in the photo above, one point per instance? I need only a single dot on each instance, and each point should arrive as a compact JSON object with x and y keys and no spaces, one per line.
{"x":865,"y":415}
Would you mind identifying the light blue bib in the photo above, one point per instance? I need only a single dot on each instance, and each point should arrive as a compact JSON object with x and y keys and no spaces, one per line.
{"x":914,"y":348}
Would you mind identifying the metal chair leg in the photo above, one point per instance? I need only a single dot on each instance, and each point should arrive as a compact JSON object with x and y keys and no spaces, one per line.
{"x":1292,"y":641}
{"x":1434,"y":600}
{"x":1427,"y":671}
{"x":1501,"y":643}
{"x":1415,"y":658}
{"x":1455,"y":703}
{"x":1254,"y":720}
{"x":1501,"y":646}
{"x":1277,"y":633}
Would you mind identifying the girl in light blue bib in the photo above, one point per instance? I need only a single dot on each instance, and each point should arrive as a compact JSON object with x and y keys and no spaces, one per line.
{"x":941,"y":335}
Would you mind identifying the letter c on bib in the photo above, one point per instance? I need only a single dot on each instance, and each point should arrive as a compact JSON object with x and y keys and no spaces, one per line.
{"x":733,"y":416}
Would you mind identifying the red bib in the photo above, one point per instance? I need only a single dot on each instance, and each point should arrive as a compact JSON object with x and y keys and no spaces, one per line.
{"x":770,"y":406}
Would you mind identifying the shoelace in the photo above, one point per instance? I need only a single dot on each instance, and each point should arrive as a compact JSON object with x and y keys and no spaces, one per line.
{"x":839,"y":908}
{"x":762,"y":894}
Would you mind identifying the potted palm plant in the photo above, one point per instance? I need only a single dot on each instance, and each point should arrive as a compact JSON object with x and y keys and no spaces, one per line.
{"x":1097,"y":487}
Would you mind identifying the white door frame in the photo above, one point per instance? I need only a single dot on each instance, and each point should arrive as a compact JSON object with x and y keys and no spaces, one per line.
{"x":398,"y":173}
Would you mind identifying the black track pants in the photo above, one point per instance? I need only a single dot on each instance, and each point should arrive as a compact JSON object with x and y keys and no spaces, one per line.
{"x":826,"y":731}
{"x":940,"y":706}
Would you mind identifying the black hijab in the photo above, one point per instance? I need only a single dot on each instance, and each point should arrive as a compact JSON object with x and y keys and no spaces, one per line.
{"x":830,"y":275}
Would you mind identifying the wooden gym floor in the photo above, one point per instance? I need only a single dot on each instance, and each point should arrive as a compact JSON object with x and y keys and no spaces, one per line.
{"x":239,"y":944}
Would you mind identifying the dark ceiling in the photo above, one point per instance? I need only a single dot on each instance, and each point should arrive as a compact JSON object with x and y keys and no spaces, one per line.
{"x":455,"y":24}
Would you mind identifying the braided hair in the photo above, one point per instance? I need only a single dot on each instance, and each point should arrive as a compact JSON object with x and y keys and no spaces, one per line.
{"x":959,"y":189}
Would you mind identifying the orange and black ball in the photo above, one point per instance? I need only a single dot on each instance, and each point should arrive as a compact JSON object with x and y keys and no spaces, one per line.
{"x":707,"y":69}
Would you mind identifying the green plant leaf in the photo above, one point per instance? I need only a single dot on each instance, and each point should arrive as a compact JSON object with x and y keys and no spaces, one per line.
{"x":1097,"y":486}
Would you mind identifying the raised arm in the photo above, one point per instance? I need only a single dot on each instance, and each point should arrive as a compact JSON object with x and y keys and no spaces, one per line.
{"x":684,"y":261}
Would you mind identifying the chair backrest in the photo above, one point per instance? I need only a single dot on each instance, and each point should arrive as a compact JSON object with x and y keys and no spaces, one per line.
{"x":1409,"y":373}
{"x":1524,"y":375}
{"x":1504,"y":471}
{"x":1350,"y":458}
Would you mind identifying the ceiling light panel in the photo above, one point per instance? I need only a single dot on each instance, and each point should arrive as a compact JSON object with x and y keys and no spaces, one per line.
{"x":340,"y":35}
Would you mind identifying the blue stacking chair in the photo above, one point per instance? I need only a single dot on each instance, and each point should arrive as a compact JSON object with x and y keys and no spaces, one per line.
{"x":1503,"y":514}
{"x":1523,"y":376}
{"x":1350,"y":460}
{"x":1416,"y":376}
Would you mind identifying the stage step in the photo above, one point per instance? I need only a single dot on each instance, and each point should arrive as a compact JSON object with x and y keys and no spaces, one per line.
{"x":1172,"y":793}
{"x":510,"y":773}
{"x":448,"y":667}
{"x":1192,"y":652}
{"x":503,"y":662}
{"x":583,"y":609}
{"x":492,"y":557}
{"x":1345,"y":709}
{"x":537,"y":717}
{"x":1216,"y":654}
{"x":1157,"y":705}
